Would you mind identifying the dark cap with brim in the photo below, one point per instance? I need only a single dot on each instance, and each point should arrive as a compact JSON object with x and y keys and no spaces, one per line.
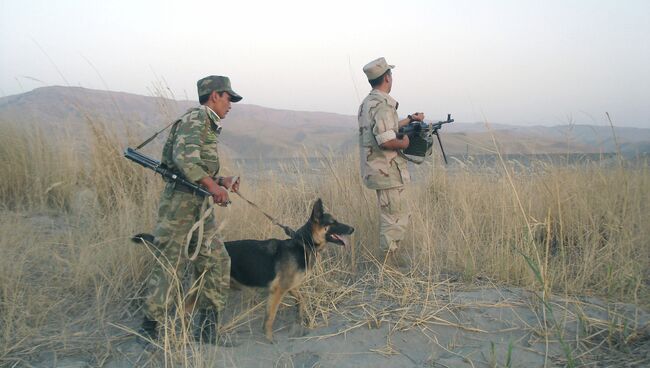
{"x":217,"y":83}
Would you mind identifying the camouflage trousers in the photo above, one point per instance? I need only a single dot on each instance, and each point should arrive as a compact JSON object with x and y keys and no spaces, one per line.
{"x":393,"y":217}
{"x":177,"y":212}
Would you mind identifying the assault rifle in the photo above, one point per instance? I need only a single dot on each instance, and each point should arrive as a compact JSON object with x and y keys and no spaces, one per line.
{"x":164,"y":171}
{"x":421,"y":138}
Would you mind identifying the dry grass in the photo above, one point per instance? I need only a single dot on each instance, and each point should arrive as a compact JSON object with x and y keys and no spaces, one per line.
{"x":68,"y":271}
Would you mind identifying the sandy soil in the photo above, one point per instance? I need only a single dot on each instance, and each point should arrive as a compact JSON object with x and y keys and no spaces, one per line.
{"x":444,"y":324}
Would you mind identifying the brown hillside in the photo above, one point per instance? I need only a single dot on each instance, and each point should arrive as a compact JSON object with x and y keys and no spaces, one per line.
{"x":252,"y":131}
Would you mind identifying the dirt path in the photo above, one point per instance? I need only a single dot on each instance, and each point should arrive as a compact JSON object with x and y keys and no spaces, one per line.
{"x":452,"y":325}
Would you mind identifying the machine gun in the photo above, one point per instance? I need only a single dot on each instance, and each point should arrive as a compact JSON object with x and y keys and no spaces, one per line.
{"x":421,"y":138}
{"x":164,"y":171}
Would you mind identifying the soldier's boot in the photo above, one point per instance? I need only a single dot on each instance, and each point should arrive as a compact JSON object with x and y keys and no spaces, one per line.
{"x":206,"y":330}
{"x":148,"y":331}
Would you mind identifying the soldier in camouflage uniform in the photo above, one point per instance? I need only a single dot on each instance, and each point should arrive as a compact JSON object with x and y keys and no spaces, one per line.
{"x":382,"y":168}
{"x":191,"y":149}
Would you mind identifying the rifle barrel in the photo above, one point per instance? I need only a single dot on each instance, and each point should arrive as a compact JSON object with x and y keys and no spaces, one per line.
{"x":143,"y":160}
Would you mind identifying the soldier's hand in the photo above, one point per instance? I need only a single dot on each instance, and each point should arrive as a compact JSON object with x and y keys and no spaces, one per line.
{"x":405,"y":141}
{"x":418,"y":116}
{"x":220,"y":196}
{"x":232,"y":183}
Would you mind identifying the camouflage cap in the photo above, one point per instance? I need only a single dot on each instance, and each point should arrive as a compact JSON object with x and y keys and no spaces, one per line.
{"x":376,"y":68}
{"x":216,"y":83}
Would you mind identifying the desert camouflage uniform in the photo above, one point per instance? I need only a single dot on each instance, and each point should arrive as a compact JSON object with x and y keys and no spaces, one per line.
{"x":381,"y":169}
{"x":192,"y":150}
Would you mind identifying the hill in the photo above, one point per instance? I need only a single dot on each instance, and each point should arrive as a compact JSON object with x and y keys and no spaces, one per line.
{"x":252,"y":131}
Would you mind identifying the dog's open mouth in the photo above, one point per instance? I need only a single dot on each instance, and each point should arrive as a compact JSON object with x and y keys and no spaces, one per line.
{"x":338,"y":239}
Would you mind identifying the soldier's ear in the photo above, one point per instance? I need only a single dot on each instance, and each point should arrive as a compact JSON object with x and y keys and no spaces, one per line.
{"x":388,"y":76}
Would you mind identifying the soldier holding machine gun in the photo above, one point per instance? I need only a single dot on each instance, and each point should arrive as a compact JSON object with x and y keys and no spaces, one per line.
{"x":383,"y":169}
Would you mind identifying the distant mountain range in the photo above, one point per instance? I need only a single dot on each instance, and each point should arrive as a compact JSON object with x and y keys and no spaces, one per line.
{"x":252,"y":131}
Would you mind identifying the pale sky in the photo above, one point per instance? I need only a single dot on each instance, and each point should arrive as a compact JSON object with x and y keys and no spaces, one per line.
{"x":513,"y":62}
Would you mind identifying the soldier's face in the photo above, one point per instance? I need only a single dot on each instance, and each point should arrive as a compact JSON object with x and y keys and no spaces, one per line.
{"x":221,"y":104}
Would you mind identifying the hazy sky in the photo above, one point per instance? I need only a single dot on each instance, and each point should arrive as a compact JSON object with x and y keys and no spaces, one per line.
{"x":514,"y":62}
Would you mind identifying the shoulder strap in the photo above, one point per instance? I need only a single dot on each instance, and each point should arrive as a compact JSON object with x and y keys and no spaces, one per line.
{"x":158,"y":132}
{"x":206,"y":125}
{"x":155,"y":135}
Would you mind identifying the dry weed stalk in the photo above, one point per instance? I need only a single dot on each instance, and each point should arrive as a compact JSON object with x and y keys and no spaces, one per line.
{"x":69,"y":275}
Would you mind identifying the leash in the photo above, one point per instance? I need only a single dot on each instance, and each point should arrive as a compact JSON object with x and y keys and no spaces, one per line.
{"x":287,"y":230}
{"x":206,"y":209}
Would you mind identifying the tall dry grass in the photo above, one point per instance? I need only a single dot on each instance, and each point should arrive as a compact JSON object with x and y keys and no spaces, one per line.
{"x":70,"y":204}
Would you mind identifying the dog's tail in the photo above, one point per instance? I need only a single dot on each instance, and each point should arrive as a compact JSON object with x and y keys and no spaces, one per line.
{"x":142,"y":237}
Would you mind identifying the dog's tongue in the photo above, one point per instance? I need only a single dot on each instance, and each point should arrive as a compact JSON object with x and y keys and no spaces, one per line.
{"x":343,"y":239}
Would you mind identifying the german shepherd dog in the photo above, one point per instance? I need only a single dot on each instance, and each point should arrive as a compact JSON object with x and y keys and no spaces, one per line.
{"x":281,"y":265}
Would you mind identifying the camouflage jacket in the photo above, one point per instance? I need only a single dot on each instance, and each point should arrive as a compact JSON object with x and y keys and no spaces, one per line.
{"x":380,"y":168}
{"x":191,"y":147}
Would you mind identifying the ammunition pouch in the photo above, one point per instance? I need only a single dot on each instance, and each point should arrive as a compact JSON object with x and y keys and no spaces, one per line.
{"x":420,"y":145}
{"x":421,"y":139}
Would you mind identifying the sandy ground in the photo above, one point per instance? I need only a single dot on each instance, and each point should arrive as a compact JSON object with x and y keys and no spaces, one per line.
{"x":445,"y":324}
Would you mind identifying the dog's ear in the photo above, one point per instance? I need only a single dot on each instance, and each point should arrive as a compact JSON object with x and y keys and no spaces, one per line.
{"x":317,"y":211}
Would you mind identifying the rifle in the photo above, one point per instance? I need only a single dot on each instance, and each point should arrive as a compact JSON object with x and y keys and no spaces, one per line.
{"x":421,"y":138}
{"x":164,"y":171}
